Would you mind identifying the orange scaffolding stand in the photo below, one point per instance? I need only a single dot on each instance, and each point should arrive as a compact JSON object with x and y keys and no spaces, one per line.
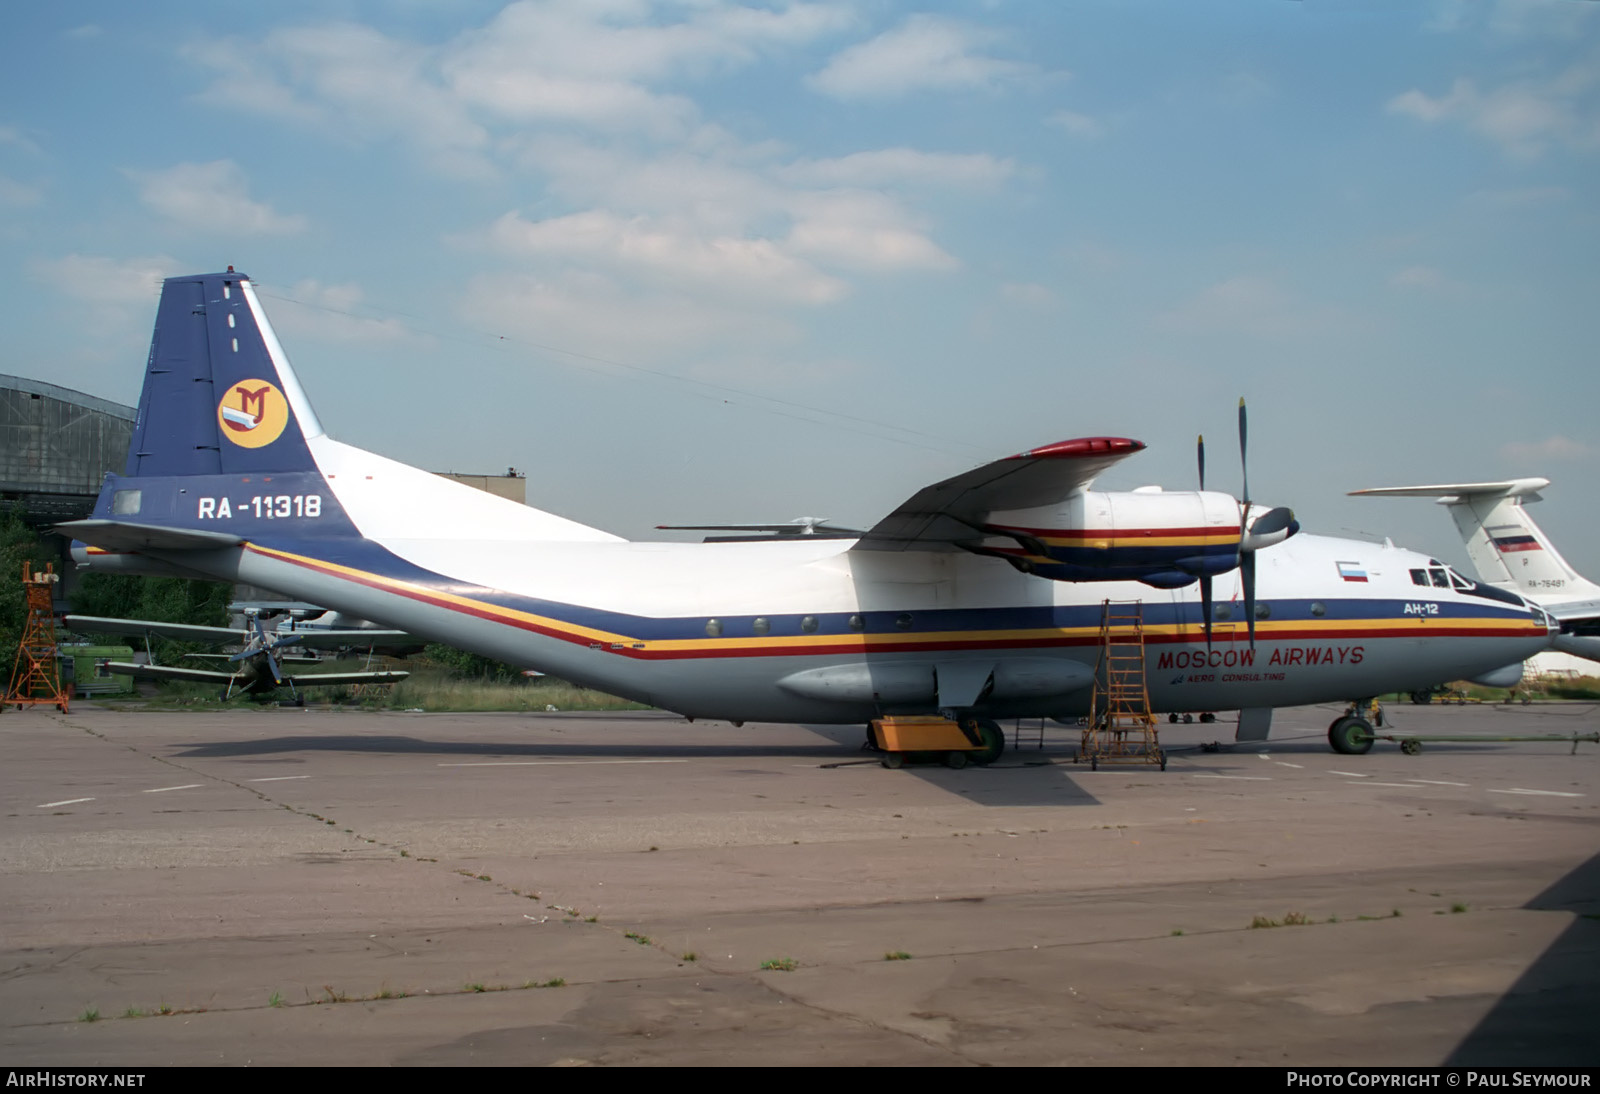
{"x":1121,"y":729}
{"x":36,"y":675}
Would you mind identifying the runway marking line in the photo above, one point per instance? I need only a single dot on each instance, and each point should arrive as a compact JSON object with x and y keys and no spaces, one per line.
{"x":69,"y":801}
{"x":278,"y":779}
{"x":1439,"y":782}
{"x":1402,"y":786}
{"x":1247,"y":778}
{"x":164,"y":789}
{"x":1352,"y":774}
{"x":1297,"y":767}
{"x":559,"y":763}
{"x":1542,"y":793}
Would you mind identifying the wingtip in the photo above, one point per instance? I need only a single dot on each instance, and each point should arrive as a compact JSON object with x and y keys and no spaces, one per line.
{"x":1083,"y":446}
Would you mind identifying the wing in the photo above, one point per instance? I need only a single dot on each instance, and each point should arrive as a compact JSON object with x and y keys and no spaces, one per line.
{"x":329,"y":679}
{"x":190,"y":632}
{"x":947,"y":512}
{"x":167,"y":672}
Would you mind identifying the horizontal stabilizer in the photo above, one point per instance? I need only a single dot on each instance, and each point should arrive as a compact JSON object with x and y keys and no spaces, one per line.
{"x":117,"y":535}
{"x":1511,"y":488}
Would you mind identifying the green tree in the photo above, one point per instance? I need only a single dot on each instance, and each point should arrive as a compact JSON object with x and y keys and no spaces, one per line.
{"x":157,"y":599}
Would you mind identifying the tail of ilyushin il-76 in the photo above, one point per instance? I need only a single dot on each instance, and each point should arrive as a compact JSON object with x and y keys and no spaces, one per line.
{"x":228,"y":458}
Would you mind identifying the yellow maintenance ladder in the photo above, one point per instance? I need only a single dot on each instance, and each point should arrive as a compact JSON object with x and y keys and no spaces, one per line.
{"x":1121,"y":729}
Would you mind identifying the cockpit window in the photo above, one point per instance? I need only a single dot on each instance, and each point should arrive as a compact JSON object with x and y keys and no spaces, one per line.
{"x":1458,"y":581}
{"x":1419,"y":577}
{"x":1439,"y":580}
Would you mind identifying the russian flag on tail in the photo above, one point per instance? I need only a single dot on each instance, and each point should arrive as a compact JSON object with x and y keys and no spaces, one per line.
{"x":1507,"y":544}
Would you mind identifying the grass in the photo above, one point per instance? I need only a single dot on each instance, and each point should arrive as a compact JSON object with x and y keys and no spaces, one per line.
{"x":691,"y":956}
{"x":275,"y":1000}
{"x":1457,"y":908}
{"x":897,"y":955}
{"x":642,"y":939}
{"x":780,"y":964}
{"x":89,"y":1015}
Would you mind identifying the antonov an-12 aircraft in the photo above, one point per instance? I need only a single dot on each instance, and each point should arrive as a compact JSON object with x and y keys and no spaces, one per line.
{"x":981,"y":597}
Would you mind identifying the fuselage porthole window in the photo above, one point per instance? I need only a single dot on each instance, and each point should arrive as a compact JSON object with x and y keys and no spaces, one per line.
{"x":1263,"y":610}
{"x":714,"y":628}
{"x":857,"y":623}
{"x":1223,"y":611}
{"x":809,"y":624}
{"x":903,"y":621}
{"x":761,"y":625}
{"x":1318,"y":609}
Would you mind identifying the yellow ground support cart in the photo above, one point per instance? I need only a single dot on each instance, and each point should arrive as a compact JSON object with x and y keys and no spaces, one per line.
{"x":955,"y":744}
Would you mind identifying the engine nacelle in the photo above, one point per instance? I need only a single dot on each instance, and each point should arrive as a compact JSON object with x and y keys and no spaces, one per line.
{"x":1163,"y":539}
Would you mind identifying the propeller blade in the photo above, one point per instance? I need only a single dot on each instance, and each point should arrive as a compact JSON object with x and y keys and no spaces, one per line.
{"x":1247,"y":576}
{"x":1205,"y":606}
{"x":1244,"y":465}
{"x":1200,"y":449}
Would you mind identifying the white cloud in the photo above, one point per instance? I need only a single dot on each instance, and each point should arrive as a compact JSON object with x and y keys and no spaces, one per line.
{"x":924,"y":53}
{"x":900,"y":166}
{"x":863,"y":230}
{"x":211,"y":197}
{"x":672,"y":254}
{"x":591,"y":64}
{"x":351,"y":82}
{"x":608,"y":319}
{"x":10,"y":134}
{"x":1027,"y":293}
{"x":1416,"y":277}
{"x":1523,"y":117}
{"x":1253,"y":306}
{"x":332,"y":313}
{"x":1079,"y":125}
{"x":19,"y":195}
{"x":100,"y":280}
{"x":1557,"y":447}
{"x":1518,"y":18}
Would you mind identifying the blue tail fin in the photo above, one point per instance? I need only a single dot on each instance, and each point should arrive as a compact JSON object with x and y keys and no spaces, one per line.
{"x":219,"y":396}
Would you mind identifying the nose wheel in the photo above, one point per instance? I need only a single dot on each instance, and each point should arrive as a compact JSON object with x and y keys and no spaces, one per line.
{"x":1350,"y":735}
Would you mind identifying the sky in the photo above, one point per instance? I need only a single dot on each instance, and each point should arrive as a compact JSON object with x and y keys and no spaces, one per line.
{"x":705,"y":261}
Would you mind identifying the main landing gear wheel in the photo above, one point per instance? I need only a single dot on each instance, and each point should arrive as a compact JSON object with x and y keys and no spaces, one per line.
{"x":1422,"y":697}
{"x":955,"y":761}
{"x":1350,"y":736}
{"x":993,"y":739}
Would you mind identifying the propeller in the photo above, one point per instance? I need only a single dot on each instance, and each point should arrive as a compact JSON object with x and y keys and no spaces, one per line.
{"x":1274,"y":526}
{"x":1205,"y":579}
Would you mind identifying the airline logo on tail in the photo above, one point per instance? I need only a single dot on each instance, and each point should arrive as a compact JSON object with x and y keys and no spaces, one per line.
{"x":253,"y":414}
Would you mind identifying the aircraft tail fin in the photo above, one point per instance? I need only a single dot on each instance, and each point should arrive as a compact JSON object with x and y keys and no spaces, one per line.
{"x":1505,"y":545}
{"x":220,"y":399}
{"x":219,"y":396}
